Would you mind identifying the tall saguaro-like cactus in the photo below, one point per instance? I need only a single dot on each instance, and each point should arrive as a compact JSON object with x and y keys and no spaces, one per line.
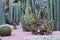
{"x":14,"y":11}
{"x":53,"y":13}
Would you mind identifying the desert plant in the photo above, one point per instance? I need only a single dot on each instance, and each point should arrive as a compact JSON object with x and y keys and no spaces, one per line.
{"x":5,"y":31}
{"x":27,"y":20}
{"x":32,"y":23}
{"x":42,"y":27}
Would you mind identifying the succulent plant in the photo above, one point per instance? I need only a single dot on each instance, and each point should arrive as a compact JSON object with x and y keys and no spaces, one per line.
{"x":25,"y":21}
{"x":32,"y":23}
{"x":42,"y":27}
{"x":5,"y":31}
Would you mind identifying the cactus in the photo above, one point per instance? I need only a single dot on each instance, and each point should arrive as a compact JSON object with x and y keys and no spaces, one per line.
{"x":26,"y":19}
{"x":5,"y":31}
{"x":42,"y":27}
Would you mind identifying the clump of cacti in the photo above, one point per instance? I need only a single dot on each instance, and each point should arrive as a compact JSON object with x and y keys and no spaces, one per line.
{"x":32,"y":23}
{"x":27,"y":19}
{"x":42,"y":27}
{"x":5,"y":31}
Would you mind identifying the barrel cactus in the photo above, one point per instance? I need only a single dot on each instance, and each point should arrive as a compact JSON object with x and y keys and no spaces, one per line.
{"x":5,"y":31}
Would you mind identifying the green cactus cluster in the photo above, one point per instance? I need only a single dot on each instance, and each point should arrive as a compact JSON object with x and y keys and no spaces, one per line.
{"x":43,"y":27}
{"x":27,"y":19}
{"x":31,"y":22}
